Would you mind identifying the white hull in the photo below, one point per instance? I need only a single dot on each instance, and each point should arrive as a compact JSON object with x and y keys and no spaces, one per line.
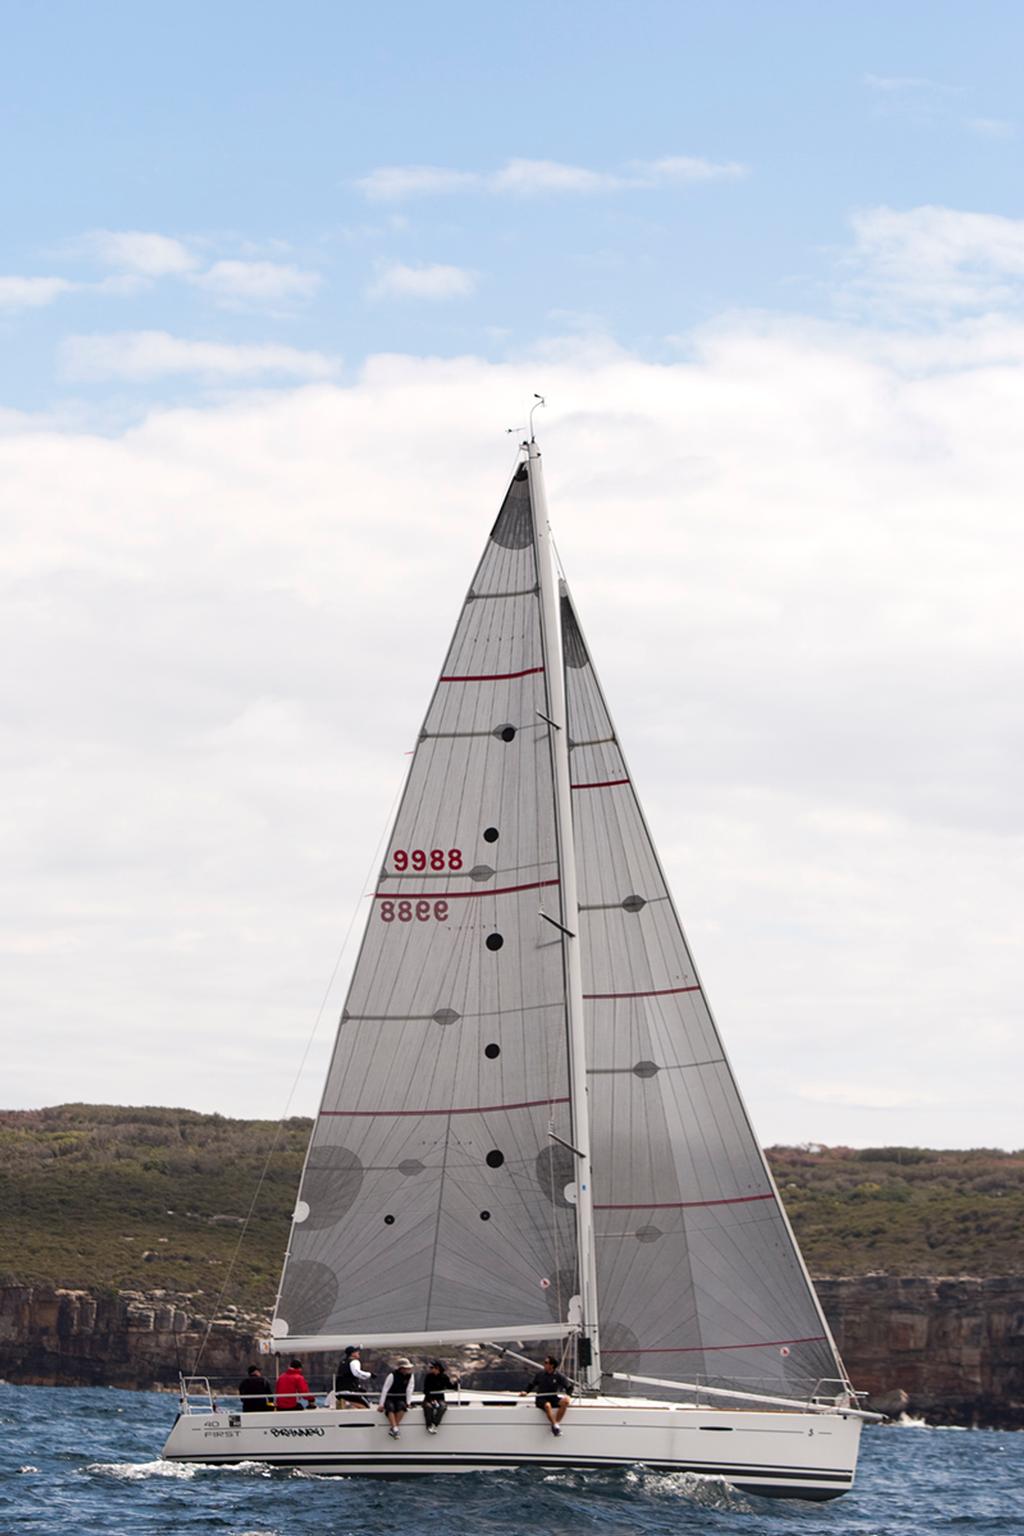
{"x":777,"y":1454}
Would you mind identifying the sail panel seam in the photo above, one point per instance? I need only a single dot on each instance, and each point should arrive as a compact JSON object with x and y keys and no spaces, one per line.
{"x":679,"y":1205}
{"x":697,"y":1349}
{"x":470,"y":1109}
{"x":499,"y":890}
{"x":593,"y":997}
{"x":491,"y":677}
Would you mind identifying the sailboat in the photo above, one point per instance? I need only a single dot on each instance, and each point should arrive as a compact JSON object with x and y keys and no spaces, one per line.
{"x":530,"y":1137}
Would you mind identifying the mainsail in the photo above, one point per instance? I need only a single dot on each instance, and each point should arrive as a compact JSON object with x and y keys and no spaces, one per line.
{"x":698,"y":1273}
{"x":432,"y":1200}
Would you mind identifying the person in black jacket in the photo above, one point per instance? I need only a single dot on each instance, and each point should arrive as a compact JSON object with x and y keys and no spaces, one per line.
{"x":348,"y":1380}
{"x":256,"y":1392}
{"x":552,"y":1391}
{"x":435,"y":1384}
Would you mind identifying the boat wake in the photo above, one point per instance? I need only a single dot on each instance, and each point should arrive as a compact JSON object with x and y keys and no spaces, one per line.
{"x":141,"y":1471}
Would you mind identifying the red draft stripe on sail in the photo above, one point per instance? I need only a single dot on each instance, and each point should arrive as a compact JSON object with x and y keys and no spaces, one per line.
{"x":601,"y":784}
{"x":490,"y":677}
{"x":499,"y":890}
{"x":471,"y":1109}
{"x":680,"y":1205}
{"x":705,"y":1349}
{"x":600,"y":997}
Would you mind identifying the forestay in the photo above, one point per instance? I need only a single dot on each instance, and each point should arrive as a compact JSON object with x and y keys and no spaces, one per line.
{"x":698,"y":1274}
{"x":432,"y":1198}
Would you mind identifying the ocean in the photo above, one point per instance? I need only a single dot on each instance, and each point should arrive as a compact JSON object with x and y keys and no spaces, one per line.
{"x":84,"y":1462}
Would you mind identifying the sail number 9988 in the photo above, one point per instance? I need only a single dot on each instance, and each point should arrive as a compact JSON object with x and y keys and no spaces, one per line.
{"x":419,"y":859}
{"x":423,"y":911}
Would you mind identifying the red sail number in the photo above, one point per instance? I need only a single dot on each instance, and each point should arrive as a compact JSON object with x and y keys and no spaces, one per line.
{"x":419,"y":860}
{"x":423,"y":911}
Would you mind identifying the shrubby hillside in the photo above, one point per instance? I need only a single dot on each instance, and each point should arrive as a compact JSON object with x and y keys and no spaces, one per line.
{"x":106,"y":1197}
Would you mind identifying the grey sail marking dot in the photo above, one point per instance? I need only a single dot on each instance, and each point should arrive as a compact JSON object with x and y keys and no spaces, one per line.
{"x":445,"y":1016}
{"x":645,"y":1069}
{"x":308,"y":1295}
{"x":504,"y":732}
{"x":410,"y":1167}
{"x":514,"y":527}
{"x":648,"y":1234}
{"x":481,"y":872}
{"x":634,"y":903}
{"x":494,"y":1159}
{"x":554,"y":1170}
{"x":485,"y":1215}
{"x":490,"y":834}
{"x":389,"y":1221}
{"x":491,"y":1051}
{"x":331,"y":1185}
{"x":494,"y":941}
{"x":574,"y":650}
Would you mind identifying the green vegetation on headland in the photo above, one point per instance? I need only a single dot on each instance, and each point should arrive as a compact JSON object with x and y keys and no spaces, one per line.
{"x":102,"y":1197}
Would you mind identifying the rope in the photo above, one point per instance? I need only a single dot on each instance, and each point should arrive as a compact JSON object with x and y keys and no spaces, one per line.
{"x":368,"y":880}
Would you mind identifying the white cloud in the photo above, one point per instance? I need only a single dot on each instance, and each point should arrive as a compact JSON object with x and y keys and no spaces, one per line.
{"x":154,"y":354}
{"x":390,"y":183}
{"x":796,"y":554}
{"x":32,"y":292}
{"x":940,"y":258}
{"x":991,"y":127}
{"x":426,"y":282}
{"x":685,"y":168}
{"x":898,"y":85}
{"x":534,"y":178}
{"x":243,"y":283}
{"x":139,"y":251}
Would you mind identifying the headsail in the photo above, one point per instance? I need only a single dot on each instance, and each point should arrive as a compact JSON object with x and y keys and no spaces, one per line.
{"x":698,"y":1273}
{"x":433,"y":1197}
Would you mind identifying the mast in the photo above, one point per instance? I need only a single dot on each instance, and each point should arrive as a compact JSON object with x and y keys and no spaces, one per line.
{"x":589,"y":1350}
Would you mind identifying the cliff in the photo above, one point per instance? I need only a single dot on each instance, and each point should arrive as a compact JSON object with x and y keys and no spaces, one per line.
{"x":948,"y":1349}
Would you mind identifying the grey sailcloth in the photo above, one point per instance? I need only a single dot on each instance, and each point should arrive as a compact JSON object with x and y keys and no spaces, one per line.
{"x":431,"y":1198}
{"x":698,"y":1275}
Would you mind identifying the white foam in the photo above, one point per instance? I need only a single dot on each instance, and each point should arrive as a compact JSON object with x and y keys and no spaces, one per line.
{"x":138,"y":1471}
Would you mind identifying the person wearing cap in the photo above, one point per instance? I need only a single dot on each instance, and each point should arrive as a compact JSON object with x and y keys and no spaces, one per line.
{"x":435,"y":1384}
{"x":349,"y":1378}
{"x":292,"y":1387}
{"x":396,"y":1394}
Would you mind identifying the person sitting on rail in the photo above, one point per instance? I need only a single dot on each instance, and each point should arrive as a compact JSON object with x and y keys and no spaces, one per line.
{"x":435,"y":1384}
{"x":552,"y":1391}
{"x":396,"y":1394}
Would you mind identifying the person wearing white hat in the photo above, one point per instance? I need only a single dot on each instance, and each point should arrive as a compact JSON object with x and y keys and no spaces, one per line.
{"x":396,"y":1394}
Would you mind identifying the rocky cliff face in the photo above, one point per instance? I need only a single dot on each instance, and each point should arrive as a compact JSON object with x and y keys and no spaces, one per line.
{"x":54,"y":1336}
{"x":950,"y":1350}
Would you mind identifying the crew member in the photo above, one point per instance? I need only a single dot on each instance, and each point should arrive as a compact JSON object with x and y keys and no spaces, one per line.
{"x":552,"y":1391}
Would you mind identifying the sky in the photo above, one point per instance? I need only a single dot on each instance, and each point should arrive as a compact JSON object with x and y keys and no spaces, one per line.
{"x":274,"y":282}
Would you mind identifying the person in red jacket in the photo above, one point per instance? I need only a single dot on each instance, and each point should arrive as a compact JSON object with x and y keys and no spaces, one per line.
{"x":292,"y":1386}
